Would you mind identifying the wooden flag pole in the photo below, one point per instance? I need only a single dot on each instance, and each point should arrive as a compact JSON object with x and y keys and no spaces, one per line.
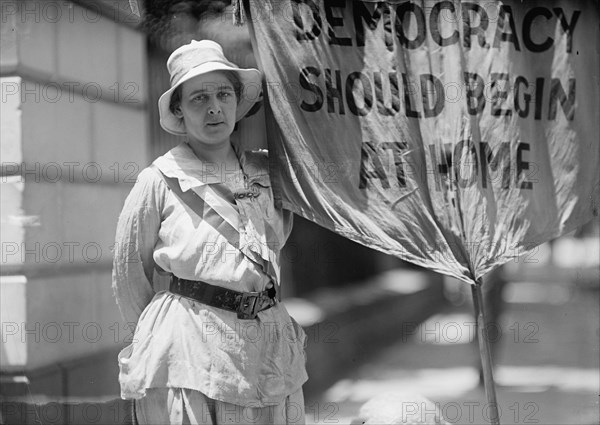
{"x":485,"y":353}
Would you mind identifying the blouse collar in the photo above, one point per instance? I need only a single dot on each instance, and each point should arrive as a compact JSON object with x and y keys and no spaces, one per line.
{"x":182,"y":163}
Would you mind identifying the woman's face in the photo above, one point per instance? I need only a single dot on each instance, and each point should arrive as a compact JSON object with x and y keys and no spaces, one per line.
{"x":208,"y":107}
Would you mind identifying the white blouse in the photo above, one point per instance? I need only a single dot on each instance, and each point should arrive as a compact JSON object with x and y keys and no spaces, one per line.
{"x":179,"y":342}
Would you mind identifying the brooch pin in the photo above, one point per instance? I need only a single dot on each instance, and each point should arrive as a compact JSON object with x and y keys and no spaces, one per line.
{"x":252,"y":193}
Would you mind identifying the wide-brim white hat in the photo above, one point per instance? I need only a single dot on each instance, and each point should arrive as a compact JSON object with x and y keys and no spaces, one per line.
{"x":202,"y":57}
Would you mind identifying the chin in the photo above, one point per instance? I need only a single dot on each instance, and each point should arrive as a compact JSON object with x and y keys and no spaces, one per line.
{"x":219,"y":131}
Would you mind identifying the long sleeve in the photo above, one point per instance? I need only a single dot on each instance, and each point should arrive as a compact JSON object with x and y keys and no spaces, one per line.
{"x":137,"y":234}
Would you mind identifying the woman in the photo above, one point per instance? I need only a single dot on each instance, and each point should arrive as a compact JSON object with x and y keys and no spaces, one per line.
{"x":216,"y":346}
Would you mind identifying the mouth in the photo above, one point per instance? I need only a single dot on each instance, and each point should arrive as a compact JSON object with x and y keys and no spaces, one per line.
{"x":214,"y":124}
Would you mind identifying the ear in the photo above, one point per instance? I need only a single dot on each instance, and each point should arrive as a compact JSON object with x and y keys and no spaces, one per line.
{"x":178,"y":112}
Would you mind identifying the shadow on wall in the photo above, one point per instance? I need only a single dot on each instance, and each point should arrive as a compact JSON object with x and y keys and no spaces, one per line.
{"x":315,"y":257}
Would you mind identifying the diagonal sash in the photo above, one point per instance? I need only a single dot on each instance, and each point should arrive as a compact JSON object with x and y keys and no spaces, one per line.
{"x":208,"y":213}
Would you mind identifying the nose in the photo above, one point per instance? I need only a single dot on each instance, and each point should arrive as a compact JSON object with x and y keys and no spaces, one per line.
{"x":214,"y":108}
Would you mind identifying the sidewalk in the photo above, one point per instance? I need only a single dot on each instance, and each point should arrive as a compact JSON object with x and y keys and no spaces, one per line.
{"x":547,"y":368}
{"x":346,"y":326}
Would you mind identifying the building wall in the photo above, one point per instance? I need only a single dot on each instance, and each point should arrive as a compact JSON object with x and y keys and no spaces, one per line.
{"x":74,"y":136}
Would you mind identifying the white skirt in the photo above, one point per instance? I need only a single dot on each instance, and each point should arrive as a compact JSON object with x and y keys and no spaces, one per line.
{"x":180,"y":406}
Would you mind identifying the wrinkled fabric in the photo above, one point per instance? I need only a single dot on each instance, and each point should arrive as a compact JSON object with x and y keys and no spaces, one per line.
{"x":454,"y":135}
{"x":179,"y":342}
{"x":180,"y":406}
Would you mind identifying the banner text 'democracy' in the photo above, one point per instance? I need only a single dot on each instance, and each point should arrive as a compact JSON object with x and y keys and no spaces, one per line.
{"x":448,"y":123}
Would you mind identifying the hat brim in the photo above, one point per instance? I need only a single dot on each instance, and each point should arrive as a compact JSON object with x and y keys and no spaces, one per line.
{"x":251,"y":88}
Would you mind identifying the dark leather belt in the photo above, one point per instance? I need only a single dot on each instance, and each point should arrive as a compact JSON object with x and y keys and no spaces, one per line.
{"x":245,"y":304}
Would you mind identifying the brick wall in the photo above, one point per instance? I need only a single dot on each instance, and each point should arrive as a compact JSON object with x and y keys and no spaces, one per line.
{"x":74,"y":136}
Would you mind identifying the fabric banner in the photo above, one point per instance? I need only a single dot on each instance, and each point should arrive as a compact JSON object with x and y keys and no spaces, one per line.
{"x":454,"y":135}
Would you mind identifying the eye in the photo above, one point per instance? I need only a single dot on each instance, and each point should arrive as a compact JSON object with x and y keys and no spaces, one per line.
{"x":225,"y":95}
{"x":200,"y":98}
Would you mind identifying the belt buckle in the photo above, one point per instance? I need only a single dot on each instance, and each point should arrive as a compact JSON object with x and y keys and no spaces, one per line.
{"x":247,"y":308}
